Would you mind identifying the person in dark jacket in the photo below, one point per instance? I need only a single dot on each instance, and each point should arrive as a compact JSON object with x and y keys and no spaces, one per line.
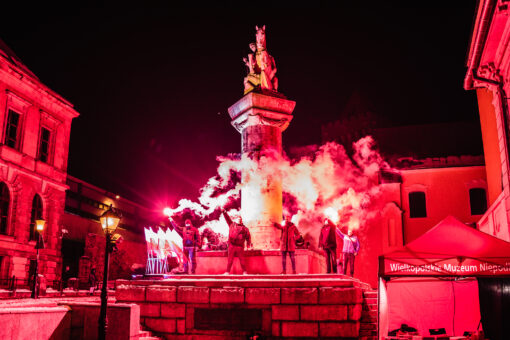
{"x":327,"y":241}
{"x":190,"y":243}
{"x":288,"y":243}
{"x":238,"y":235}
{"x":92,"y":280}
{"x":66,"y":276}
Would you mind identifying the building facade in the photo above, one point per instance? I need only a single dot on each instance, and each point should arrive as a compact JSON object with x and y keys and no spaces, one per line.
{"x":488,"y":73}
{"x":83,"y":240}
{"x":35,"y":126}
{"x":431,"y":192}
{"x":415,"y":198}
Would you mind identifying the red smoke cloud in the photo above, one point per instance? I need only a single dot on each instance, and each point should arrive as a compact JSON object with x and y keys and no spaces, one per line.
{"x":327,"y":179}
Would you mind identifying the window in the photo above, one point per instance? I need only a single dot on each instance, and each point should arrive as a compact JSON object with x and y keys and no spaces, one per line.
{"x":37,"y":210}
{"x":5,"y":200}
{"x":417,"y":204}
{"x":477,"y":201}
{"x":12,"y":129}
{"x":44,"y":145}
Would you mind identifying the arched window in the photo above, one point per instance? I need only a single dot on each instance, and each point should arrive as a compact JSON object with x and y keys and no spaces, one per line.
{"x":477,"y":201}
{"x":417,"y":204}
{"x":37,"y":214}
{"x":5,"y":200}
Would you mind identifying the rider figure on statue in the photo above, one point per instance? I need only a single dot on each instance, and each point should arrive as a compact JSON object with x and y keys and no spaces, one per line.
{"x":261,"y":65}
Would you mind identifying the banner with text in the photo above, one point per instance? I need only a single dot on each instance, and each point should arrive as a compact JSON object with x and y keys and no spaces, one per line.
{"x":445,"y":267}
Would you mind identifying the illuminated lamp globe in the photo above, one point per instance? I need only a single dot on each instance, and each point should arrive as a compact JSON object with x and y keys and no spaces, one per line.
{"x":39,"y":225}
{"x":109,"y":221}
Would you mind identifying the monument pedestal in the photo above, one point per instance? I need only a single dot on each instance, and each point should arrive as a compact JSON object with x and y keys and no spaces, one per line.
{"x":260,"y":262}
{"x":261,"y":119}
{"x":242,"y":306}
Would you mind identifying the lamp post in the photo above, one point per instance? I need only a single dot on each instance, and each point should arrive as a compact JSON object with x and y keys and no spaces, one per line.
{"x":39,"y":226}
{"x":109,"y":221}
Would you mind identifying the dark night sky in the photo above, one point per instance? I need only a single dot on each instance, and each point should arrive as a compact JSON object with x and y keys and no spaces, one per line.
{"x":149,"y":82}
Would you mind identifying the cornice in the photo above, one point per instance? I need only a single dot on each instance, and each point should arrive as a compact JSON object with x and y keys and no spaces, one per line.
{"x":35,"y":92}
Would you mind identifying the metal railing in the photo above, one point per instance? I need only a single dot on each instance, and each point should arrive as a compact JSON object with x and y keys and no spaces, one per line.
{"x":13,"y":283}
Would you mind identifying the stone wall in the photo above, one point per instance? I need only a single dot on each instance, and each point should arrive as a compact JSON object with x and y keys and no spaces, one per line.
{"x":123,"y":320}
{"x":261,"y":262}
{"x":62,"y":320}
{"x":37,"y":323}
{"x":273,"y":306}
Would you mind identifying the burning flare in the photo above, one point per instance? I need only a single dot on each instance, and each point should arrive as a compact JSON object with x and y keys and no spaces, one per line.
{"x":332,"y":215}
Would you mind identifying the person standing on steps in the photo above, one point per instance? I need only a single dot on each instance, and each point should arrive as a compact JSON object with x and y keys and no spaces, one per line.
{"x":327,"y":242}
{"x":288,"y":242}
{"x":237,"y":237}
{"x":349,"y":250}
{"x":190,"y":242}
{"x":92,"y":280}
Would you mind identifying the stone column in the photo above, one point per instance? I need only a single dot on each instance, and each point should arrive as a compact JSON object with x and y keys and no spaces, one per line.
{"x":261,"y":119}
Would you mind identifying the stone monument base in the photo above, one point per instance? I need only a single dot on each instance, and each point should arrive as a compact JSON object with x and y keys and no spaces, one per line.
{"x":261,"y":262}
{"x":243,"y":306}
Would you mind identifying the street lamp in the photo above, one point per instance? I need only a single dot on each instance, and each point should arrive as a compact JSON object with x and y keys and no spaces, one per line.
{"x":39,"y":226}
{"x":109,"y":222}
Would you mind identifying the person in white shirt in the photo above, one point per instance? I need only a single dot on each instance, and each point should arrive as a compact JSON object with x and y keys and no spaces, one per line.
{"x":350,"y":249}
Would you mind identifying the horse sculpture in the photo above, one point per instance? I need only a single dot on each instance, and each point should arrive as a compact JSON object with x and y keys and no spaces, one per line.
{"x":261,"y":65}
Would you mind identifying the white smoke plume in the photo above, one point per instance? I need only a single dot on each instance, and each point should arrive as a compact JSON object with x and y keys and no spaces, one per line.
{"x":326,"y":181}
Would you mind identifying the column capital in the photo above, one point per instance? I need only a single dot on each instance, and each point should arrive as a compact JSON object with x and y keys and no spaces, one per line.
{"x":260,"y":109}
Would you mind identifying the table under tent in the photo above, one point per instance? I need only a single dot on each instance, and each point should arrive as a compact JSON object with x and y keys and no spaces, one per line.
{"x":453,"y":277}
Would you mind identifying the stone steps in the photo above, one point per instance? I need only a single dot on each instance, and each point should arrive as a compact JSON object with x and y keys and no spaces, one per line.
{"x":370,"y":294}
{"x":369,"y":316}
{"x":147,"y":335}
{"x":259,"y":281}
{"x":276,"y":281}
{"x":370,"y":307}
{"x":144,"y":333}
{"x":368,"y":325}
{"x":371,"y":301}
{"x":248,"y":277}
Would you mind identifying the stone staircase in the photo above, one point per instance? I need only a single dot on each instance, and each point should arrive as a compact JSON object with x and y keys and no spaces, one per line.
{"x":147,"y":335}
{"x":368,"y":325}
